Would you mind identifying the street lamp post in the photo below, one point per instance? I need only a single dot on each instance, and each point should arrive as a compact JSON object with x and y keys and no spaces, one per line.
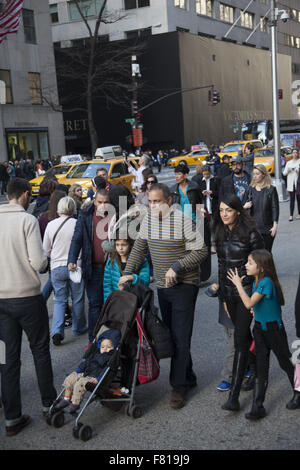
{"x":276,"y":127}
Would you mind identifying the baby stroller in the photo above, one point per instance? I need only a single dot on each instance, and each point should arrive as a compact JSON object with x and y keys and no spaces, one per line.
{"x":117,"y":385}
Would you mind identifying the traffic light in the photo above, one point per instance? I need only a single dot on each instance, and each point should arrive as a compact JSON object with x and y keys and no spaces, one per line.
{"x":213,"y":97}
{"x":134,"y":107}
{"x":216,"y":97}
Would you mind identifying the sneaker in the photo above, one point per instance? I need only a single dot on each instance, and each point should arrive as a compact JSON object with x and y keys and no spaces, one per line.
{"x":68,"y":321}
{"x":248,"y":373}
{"x":224,"y":386}
{"x":73,"y":408}
{"x":211,"y":292}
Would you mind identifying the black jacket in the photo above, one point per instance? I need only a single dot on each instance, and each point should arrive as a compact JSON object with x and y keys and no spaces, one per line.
{"x":270,"y":205}
{"x":223,"y":170}
{"x":3,"y":173}
{"x":227,"y":186}
{"x":193,"y":193}
{"x":233,"y":253}
{"x":297,"y":311}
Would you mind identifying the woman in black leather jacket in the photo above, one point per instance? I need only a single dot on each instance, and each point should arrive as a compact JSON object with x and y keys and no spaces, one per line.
{"x":235,"y":237}
{"x":263,"y":204}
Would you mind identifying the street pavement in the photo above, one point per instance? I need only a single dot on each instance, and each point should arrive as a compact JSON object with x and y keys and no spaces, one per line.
{"x":201,"y":424}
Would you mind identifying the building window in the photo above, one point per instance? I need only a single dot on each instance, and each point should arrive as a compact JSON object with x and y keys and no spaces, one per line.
{"x":139,"y":33}
{"x":204,"y":7}
{"x":87,"y":7}
{"x":181,"y":4}
{"x":247,"y":20}
{"x":226,"y":13}
{"x":27,"y":144}
{"x":131,"y":4}
{"x":5,"y":77}
{"x":264,"y":25}
{"x":54,"y":13}
{"x":29,"y":27}
{"x":35,"y":87}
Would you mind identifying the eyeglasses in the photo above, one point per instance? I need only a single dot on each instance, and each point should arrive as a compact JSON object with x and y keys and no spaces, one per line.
{"x":150,"y":182}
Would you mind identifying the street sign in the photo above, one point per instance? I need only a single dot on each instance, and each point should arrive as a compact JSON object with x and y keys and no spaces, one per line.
{"x":130,"y":121}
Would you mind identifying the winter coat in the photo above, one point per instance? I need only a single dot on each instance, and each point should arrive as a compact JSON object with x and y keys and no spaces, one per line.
{"x":193,"y":194}
{"x":41,"y":206}
{"x":112,"y":276}
{"x":292,"y":176}
{"x":96,"y":363}
{"x":233,"y":253}
{"x":83,"y":240}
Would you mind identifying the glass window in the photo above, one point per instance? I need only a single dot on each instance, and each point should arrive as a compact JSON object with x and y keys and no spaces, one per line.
{"x":5,"y":77}
{"x":181,"y":4}
{"x":118,"y":170}
{"x":226,"y":13}
{"x":35,"y":87}
{"x":43,"y":144}
{"x":27,"y":144}
{"x":247,"y":20}
{"x":204,"y":7}
{"x":54,"y":13}
{"x":264,"y":25}
{"x":29,"y":27}
{"x":130,"y":4}
{"x":87,"y":7}
{"x":87,"y":170}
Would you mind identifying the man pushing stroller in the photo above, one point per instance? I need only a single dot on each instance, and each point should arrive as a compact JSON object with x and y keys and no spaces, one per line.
{"x":90,"y":370}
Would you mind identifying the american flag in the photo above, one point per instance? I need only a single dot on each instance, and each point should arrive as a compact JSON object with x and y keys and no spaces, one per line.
{"x":10,"y":16}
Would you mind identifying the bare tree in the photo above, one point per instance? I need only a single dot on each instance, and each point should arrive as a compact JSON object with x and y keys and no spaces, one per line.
{"x":95,"y":70}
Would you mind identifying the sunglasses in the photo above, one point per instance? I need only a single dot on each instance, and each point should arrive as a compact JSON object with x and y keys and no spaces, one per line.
{"x":150,"y":182}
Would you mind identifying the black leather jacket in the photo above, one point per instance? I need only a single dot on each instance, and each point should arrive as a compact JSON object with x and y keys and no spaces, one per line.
{"x":270,"y":205}
{"x":233,"y":253}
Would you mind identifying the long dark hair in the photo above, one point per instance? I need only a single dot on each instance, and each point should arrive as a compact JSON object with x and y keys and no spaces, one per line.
{"x":56,"y":196}
{"x":115,"y":256}
{"x":265,"y":261}
{"x":244,"y":222}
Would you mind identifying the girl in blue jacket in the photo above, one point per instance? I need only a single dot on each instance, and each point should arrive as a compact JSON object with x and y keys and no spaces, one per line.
{"x":116,"y":264}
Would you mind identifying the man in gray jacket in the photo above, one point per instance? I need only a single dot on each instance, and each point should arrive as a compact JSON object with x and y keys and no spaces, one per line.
{"x":248,"y":159}
{"x":22,"y":306}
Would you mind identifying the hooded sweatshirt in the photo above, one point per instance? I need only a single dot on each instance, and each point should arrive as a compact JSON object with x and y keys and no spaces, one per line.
{"x":21,"y":253}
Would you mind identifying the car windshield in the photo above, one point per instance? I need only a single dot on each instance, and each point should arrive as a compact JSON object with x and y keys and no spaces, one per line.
{"x":87,"y":170}
{"x":265,"y":153}
{"x":232,"y":148}
{"x":59,"y":170}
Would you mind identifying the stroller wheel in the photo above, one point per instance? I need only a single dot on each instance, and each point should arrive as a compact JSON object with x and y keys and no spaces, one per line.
{"x":58,"y":420}
{"x":135,"y":411}
{"x":76,"y":430}
{"x":85,"y":433}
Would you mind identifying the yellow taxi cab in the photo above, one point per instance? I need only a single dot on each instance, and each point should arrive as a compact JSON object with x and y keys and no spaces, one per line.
{"x":236,"y":146}
{"x":192,"y":158}
{"x":265,"y":156}
{"x":60,"y":171}
{"x":117,"y":171}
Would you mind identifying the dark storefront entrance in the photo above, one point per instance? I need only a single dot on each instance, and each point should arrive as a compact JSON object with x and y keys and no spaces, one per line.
{"x":27,"y":143}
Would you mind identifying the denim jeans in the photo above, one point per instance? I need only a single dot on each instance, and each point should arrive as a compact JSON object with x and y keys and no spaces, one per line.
{"x":94,"y":292}
{"x":29,"y":314}
{"x":48,"y":288}
{"x":62,"y":285}
{"x":177,"y":306}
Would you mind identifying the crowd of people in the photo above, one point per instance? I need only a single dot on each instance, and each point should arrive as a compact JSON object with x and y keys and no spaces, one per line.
{"x":79,"y":245}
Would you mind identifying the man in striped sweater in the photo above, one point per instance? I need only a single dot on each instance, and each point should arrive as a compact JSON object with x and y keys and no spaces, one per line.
{"x":176,"y":250}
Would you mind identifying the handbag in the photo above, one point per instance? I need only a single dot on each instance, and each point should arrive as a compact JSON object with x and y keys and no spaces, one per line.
{"x":148,"y":367}
{"x":159,"y":335}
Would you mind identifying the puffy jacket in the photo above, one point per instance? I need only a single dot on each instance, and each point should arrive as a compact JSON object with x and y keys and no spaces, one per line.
{"x":112,"y":276}
{"x":233,"y":253}
{"x":270,"y":204}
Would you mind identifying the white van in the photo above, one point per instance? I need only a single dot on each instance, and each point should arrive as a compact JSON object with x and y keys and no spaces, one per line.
{"x":109,"y":152}
{"x":70,"y":159}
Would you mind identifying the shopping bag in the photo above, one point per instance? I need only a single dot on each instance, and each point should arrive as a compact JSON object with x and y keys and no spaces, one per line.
{"x":159,"y":335}
{"x":148,"y":368}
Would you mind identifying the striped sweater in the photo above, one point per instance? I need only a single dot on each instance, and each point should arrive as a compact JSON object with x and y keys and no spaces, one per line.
{"x":173,"y":243}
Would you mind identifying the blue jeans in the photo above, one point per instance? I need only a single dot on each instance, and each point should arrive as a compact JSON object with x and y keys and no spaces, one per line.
{"x":94,"y":292}
{"x":47,"y":289}
{"x":62,"y":285}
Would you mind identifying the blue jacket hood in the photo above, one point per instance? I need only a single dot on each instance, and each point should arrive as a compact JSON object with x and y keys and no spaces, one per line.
{"x":113,"y":335}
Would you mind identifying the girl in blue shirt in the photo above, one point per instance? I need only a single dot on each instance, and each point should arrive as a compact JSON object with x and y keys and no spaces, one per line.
{"x":116,"y":264}
{"x":269,"y":332}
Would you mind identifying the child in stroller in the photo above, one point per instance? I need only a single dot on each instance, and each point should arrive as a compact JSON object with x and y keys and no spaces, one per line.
{"x":90,"y":370}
